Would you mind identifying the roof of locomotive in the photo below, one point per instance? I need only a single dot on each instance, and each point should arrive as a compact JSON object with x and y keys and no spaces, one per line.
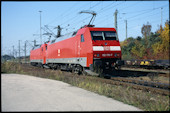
{"x":37,"y":46}
{"x":63,"y":37}
{"x":80,"y":31}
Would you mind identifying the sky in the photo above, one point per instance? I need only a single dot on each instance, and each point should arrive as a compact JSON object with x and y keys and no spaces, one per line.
{"x":21,"y":20}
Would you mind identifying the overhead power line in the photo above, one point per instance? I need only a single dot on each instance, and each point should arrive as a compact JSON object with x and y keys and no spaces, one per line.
{"x":143,"y":13}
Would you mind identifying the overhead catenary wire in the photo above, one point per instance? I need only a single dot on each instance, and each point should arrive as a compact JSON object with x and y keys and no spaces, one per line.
{"x":98,"y":12}
{"x":156,"y":20}
{"x":66,"y":14}
{"x":144,"y":12}
{"x":74,"y":22}
{"x":72,"y":7}
{"x":66,"y":22}
{"x":151,"y":22}
{"x":89,"y":16}
{"x":136,"y":12}
{"x":102,"y":9}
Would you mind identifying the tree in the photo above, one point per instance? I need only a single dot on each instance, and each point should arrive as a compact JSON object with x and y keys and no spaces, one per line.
{"x":139,"y":38}
{"x":138,"y":50}
{"x":161,"y":48}
{"x":153,"y":45}
{"x":146,"y":30}
{"x":7,"y":57}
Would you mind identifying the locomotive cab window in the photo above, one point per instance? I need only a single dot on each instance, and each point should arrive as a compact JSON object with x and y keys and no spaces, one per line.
{"x":109,"y":35}
{"x":82,"y":38}
{"x":97,"y":35}
{"x":104,"y":35}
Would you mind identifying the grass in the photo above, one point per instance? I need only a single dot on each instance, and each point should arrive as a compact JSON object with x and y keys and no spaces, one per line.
{"x":144,"y":100}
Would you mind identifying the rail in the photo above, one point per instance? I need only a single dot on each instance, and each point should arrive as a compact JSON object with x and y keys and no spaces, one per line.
{"x":160,"y":88}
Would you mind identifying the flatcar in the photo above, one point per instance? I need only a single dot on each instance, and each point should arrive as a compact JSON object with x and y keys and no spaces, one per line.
{"x":88,"y":48}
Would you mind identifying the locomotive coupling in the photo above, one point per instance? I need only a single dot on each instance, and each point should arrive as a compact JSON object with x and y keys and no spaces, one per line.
{"x":120,"y":62}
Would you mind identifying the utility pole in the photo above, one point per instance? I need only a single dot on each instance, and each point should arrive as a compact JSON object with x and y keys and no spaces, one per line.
{"x":161,"y":19}
{"x":25,"y":50}
{"x":115,"y":15}
{"x":34,"y":43}
{"x":13,"y":53}
{"x":161,"y":16}
{"x":126,"y":28}
{"x":16,"y":54}
{"x":19,"y":52}
{"x":40,"y":28}
{"x":58,"y":31}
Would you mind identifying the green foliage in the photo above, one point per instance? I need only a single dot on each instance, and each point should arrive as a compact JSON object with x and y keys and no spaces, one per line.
{"x":138,"y":50}
{"x":150,"y":46}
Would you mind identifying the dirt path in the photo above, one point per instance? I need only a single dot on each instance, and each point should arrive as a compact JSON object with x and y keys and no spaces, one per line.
{"x":28,"y":93}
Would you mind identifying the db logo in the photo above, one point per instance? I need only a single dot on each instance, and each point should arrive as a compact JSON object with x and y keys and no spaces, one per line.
{"x":107,"y":48}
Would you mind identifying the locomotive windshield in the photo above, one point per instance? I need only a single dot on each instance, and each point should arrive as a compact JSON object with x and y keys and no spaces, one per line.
{"x":104,"y":35}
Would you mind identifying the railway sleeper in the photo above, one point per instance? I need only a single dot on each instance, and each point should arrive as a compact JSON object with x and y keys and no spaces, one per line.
{"x":142,"y":82}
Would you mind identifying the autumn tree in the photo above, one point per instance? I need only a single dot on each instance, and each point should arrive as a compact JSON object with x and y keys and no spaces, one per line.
{"x":161,"y":48}
{"x":126,"y":47}
{"x":153,"y":45}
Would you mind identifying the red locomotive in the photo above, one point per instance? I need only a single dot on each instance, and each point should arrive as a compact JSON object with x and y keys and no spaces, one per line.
{"x":38,"y":55}
{"x":88,"y":48}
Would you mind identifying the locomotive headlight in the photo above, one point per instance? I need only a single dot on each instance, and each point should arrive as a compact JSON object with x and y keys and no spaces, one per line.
{"x":96,"y":55}
{"x":115,"y":54}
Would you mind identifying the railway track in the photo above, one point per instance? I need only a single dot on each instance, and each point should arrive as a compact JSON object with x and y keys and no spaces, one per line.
{"x":155,"y":87}
{"x":144,"y":88}
{"x":142,"y":82}
{"x":166,"y":71}
{"x":160,"y":88}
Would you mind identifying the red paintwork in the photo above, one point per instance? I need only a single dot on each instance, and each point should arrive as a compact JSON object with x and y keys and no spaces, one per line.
{"x":69,"y":48}
{"x":102,"y":43}
{"x":39,"y":54}
{"x":73,"y":47}
{"x":44,"y":46}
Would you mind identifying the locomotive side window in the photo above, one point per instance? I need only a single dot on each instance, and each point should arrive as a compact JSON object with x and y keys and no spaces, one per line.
{"x":82,"y":38}
{"x":104,"y":35}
